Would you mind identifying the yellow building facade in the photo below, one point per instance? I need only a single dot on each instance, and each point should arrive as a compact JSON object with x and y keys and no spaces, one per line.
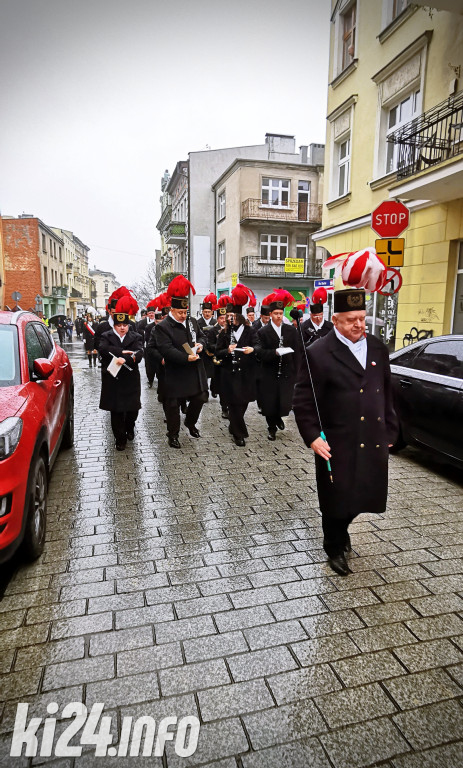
{"x":395,"y":131}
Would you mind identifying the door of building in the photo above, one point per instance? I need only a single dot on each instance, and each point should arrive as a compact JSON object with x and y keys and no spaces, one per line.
{"x":457,"y":325}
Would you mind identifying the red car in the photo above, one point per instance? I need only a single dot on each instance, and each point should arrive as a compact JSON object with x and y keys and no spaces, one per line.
{"x":36,"y":417}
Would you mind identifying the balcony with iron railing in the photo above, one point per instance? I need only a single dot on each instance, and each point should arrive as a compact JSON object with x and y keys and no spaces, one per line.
{"x":59,"y":291}
{"x":253,"y":266}
{"x":253,"y":209}
{"x":175,"y":233}
{"x":431,"y":142}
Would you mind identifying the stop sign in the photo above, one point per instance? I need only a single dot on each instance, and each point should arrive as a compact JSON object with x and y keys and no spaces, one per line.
{"x":390,"y":218}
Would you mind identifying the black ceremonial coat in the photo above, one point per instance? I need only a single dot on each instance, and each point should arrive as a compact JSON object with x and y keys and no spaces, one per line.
{"x":276,"y":392}
{"x":310,"y":334}
{"x":182,"y":379}
{"x":120,"y":393}
{"x":207,"y":359}
{"x":358,"y":419}
{"x":212,"y":337}
{"x":89,"y":337}
{"x":238,"y":381}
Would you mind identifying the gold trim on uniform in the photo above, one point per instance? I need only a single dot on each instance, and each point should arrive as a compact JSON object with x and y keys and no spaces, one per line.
{"x":354,"y":300}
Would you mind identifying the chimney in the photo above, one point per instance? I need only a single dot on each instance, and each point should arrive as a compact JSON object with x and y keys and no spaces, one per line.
{"x":303,"y":152}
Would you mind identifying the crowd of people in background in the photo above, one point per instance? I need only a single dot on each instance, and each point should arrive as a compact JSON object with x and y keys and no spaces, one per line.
{"x":331,"y":374}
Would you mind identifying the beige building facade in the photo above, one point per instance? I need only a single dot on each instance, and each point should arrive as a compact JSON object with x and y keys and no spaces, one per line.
{"x":104,"y":283}
{"x":266,"y":213}
{"x":394,"y":131}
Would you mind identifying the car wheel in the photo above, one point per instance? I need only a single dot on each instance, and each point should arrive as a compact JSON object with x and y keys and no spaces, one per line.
{"x":399,"y":443}
{"x":68,"y":434}
{"x":34,"y":536}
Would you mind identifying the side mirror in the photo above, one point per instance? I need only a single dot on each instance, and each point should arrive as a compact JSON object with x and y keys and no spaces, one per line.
{"x":42,"y":368}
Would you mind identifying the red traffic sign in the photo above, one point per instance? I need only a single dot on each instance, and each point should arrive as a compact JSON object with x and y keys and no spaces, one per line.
{"x":390,"y":218}
{"x":392,"y":282}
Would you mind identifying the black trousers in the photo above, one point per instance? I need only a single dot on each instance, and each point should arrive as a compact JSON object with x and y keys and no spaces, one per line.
{"x":238,"y":426}
{"x":172,"y":412}
{"x":335,"y":534}
{"x":150,"y":365}
{"x":121,"y":423}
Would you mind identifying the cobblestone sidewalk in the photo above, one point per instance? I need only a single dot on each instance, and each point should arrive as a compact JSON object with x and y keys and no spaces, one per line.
{"x":193,"y":582}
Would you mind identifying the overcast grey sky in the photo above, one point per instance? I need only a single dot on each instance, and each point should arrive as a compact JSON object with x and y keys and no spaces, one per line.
{"x":99,"y":97}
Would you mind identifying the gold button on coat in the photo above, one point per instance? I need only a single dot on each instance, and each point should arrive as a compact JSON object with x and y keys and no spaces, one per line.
{"x":362,"y":445}
{"x":361,"y":391}
{"x":379,"y":418}
{"x":377,"y":446}
{"x":362,"y":418}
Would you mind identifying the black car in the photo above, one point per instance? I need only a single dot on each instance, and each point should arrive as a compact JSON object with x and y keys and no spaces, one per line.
{"x":427,"y":381}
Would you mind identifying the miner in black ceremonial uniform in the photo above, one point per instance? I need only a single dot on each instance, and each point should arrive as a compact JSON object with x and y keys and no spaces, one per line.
{"x":236,"y":349}
{"x":278,"y":366}
{"x":352,"y":383}
{"x":315,"y":327}
{"x":120,"y":393}
{"x":144,"y":328}
{"x":89,"y":327}
{"x":180,"y":342}
{"x":211,"y":341}
{"x":156,"y":361}
{"x":206,"y":323}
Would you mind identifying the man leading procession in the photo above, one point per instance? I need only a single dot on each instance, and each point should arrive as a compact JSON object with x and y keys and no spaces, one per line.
{"x":344,"y":392}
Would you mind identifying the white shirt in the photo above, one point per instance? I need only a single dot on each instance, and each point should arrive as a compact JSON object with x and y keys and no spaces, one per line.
{"x":118,"y":336}
{"x":276,"y":328}
{"x":317,"y":326}
{"x":208,"y":322}
{"x":358,"y":349}
{"x":238,"y":333}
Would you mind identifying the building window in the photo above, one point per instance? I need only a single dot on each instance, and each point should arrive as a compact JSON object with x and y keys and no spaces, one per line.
{"x":106,"y":287}
{"x":397,"y":116}
{"x":44,"y":244}
{"x":221,"y":206}
{"x":60,"y":253}
{"x":273,"y":247}
{"x":343,"y":167}
{"x":275,"y":192}
{"x":221,"y":255}
{"x":348,"y":19}
{"x":45,"y":277}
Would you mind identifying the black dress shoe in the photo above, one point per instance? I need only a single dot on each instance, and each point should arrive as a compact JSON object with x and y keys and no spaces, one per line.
{"x":272,"y":434}
{"x":239,"y":441}
{"x":193,"y":431}
{"x":280,"y":424}
{"x":339,"y":565}
{"x":225,"y":414}
{"x":173,"y":442}
{"x":130,"y":435}
{"x":120,"y":446}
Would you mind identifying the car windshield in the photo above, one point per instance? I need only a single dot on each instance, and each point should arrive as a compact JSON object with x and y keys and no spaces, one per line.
{"x":9,"y":358}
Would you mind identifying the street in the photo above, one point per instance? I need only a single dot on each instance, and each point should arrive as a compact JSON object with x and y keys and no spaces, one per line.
{"x":192,"y":583}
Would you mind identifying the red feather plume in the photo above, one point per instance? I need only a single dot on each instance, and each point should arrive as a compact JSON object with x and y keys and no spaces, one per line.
{"x":279,"y":294}
{"x":319,"y":296}
{"x":210,"y":298}
{"x":268,"y":299}
{"x":120,"y":292}
{"x":241,"y":295}
{"x":223,"y":301}
{"x":127,"y":304}
{"x":180,"y":287}
{"x":152,"y":304}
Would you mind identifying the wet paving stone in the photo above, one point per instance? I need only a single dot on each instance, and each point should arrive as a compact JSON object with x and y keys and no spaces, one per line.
{"x":194,"y":583}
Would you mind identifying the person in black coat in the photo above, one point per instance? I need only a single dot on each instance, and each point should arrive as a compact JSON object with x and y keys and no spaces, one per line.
{"x":185,"y":377}
{"x":211,"y":341}
{"x":278,"y":372}
{"x":152,"y":353}
{"x":121,"y":394}
{"x":315,"y":327}
{"x":237,"y":346}
{"x":352,"y":380}
{"x":89,"y":331}
{"x":206,"y":322}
